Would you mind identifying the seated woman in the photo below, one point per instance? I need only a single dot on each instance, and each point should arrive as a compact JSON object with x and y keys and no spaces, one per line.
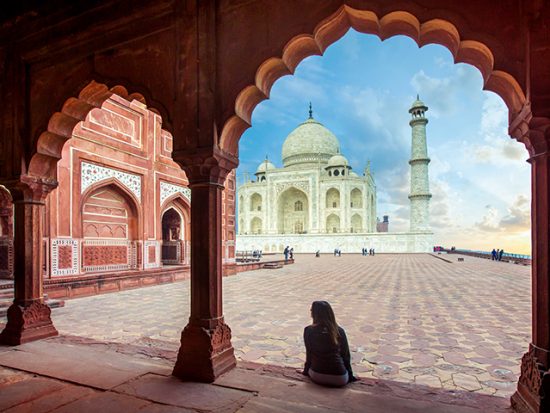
{"x":327,"y":350}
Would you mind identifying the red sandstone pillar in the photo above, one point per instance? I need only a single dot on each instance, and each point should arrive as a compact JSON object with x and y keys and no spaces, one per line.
{"x":28,"y":316}
{"x":533,"y":393}
{"x":206,"y":350}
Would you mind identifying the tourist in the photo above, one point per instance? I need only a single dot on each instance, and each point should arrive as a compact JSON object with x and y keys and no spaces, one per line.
{"x":494,"y":255}
{"x":286,"y":252}
{"x":500,"y":254}
{"x":335,"y":252}
{"x":317,"y":253}
{"x":328,"y":359}
{"x":291,"y":252}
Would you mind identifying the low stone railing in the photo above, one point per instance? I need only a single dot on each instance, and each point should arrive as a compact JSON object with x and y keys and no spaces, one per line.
{"x":507,"y":257}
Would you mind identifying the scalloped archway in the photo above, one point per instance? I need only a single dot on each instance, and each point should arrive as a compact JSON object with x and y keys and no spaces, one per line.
{"x":61,"y":125}
{"x":328,"y":31}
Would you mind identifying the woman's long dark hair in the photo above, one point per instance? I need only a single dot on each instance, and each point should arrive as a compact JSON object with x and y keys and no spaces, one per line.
{"x":322,"y":314}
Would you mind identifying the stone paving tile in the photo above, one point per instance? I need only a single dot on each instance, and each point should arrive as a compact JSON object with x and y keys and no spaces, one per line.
{"x":400,"y":312}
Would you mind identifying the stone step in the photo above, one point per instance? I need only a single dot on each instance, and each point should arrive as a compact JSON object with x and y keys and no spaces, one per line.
{"x":6,"y":301}
{"x":273,"y":265}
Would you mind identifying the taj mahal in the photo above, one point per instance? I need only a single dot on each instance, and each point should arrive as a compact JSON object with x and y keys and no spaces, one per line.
{"x":316,"y":202}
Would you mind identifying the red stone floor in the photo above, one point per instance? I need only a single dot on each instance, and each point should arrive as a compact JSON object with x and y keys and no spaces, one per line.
{"x":422,"y":330}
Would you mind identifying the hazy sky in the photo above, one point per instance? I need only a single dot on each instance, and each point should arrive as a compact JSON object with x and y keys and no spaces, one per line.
{"x":361,"y":89}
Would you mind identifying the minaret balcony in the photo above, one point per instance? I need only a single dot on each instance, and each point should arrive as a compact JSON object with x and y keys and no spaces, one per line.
{"x":420,"y":196}
{"x":419,"y":160}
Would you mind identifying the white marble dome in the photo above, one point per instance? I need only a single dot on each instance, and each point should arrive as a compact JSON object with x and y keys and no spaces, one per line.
{"x":309,"y":143}
{"x":338,"y":160}
{"x":265,"y":166}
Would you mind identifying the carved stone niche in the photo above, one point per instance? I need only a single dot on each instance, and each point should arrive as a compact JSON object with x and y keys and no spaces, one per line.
{"x":533,"y":393}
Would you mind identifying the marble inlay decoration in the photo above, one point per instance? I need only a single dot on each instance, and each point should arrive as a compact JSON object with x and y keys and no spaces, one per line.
{"x":151,"y":254}
{"x":91,"y":173}
{"x":65,"y":256}
{"x":167,"y":190}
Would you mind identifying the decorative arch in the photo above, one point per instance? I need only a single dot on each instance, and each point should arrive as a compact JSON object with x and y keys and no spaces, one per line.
{"x":255,"y":202}
{"x":182,"y":205}
{"x":133,"y":203}
{"x":328,"y":31}
{"x":61,"y":125}
{"x":356,"y":223}
{"x":333,"y":223}
{"x":356,"y":198}
{"x":256,"y":226}
{"x":289,"y":220}
{"x":332,"y":198}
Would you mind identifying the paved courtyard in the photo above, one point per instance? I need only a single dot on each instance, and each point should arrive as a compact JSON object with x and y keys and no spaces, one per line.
{"x":409,"y":318}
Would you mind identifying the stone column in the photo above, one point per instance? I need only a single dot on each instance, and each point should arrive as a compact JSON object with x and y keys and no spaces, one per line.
{"x":206,"y":350}
{"x":533,"y":393}
{"x":28,"y":317}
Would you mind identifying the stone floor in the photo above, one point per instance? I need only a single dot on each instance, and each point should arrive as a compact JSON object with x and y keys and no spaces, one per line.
{"x":461,"y":326}
{"x":61,"y":375}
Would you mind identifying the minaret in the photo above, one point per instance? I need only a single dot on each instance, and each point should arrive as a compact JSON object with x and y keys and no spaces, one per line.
{"x":420,"y":187}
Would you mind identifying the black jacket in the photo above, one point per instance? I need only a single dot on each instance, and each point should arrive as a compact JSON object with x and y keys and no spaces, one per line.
{"x":322,"y":356}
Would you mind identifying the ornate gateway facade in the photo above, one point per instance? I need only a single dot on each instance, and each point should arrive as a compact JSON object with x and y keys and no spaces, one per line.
{"x":317,"y":202}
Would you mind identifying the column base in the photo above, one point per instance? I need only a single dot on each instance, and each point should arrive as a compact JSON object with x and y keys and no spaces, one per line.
{"x":533,"y":393}
{"x":27,"y":324}
{"x":205,"y":354}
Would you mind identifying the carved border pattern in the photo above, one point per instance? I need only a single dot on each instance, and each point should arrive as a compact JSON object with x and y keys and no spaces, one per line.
{"x":302,"y":185}
{"x":91,"y":173}
{"x":146,"y":245}
{"x":167,"y":190}
{"x":176,"y":244}
{"x":131,"y":254}
{"x":56,"y":243}
{"x":8,"y":244}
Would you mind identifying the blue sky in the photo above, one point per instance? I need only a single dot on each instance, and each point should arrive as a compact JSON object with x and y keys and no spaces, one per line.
{"x":361,"y":89}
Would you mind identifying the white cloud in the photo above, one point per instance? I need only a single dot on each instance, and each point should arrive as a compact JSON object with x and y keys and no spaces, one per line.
{"x":442,"y":92}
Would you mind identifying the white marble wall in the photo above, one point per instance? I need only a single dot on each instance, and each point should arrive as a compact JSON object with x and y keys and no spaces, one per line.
{"x":409,"y":242}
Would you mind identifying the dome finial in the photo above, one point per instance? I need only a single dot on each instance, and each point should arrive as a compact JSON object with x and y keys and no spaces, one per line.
{"x":310,"y":111}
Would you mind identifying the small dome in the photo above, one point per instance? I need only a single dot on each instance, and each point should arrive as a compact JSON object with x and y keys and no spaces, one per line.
{"x":310,"y":142}
{"x":353,"y":174}
{"x":265,"y":166}
{"x":338,"y":160}
{"x":418,"y":104}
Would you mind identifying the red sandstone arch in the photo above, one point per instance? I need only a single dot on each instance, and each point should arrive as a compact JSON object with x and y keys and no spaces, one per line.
{"x":395,"y":23}
{"x":182,"y":205}
{"x":61,"y":125}
{"x":130,"y":198}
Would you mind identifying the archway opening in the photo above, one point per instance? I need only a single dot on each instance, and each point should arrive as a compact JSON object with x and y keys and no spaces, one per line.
{"x":110,"y":224}
{"x":173,"y":235}
{"x":293,"y":212}
{"x":386,"y":132}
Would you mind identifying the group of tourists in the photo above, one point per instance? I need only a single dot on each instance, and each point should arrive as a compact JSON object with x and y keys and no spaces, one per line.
{"x":496,"y":255}
{"x":288,"y":253}
{"x":369,"y":251}
{"x":337,"y":252}
{"x":257,"y":254}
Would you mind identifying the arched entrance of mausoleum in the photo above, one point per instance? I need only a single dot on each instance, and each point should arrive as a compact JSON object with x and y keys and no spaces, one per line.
{"x":292,"y":212}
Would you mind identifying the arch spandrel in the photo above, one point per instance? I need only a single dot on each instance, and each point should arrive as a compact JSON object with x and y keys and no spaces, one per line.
{"x":61,"y":125}
{"x":427,"y":28}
